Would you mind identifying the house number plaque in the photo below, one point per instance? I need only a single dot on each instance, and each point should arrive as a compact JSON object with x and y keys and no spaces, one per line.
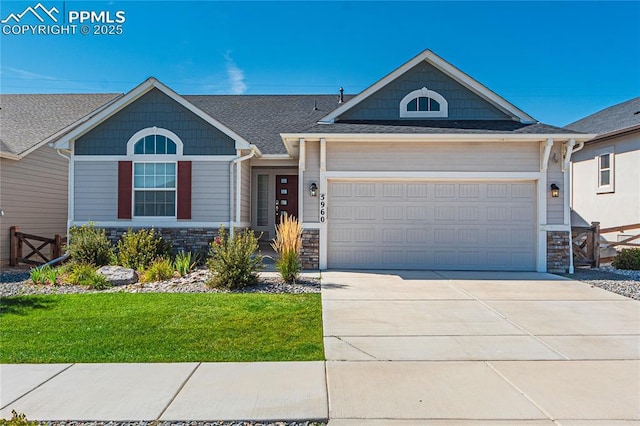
{"x":323,"y":208}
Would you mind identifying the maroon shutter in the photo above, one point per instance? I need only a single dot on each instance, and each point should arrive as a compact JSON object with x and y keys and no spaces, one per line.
{"x":125,"y":189}
{"x":184,"y":190}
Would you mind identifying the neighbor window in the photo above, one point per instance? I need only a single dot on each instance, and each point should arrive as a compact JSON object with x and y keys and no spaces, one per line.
{"x":605,"y":171}
{"x":154,"y":187}
{"x":424,"y":103}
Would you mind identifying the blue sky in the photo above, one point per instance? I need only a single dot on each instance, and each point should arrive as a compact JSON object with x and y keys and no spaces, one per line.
{"x":558,"y":61}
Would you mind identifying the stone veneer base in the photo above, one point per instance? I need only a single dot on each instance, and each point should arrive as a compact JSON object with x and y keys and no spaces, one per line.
{"x":310,"y":254}
{"x":195,"y":240}
{"x":558,"y":251}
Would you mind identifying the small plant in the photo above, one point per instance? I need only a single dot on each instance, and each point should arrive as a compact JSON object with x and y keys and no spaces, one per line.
{"x":233,"y":260}
{"x":88,"y":244}
{"x":38,"y":275}
{"x":287,"y":244}
{"x":138,"y":249}
{"x":161,"y":269}
{"x":51,"y":274}
{"x":86,"y":275}
{"x":185,"y":262}
{"x":627,"y":259}
{"x":17,"y":420}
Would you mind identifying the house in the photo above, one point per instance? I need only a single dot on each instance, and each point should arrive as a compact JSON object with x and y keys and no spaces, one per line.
{"x":33,"y":177}
{"x":606,"y":172}
{"x":425,"y":169}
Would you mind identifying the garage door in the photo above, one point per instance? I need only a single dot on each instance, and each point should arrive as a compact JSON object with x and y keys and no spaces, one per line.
{"x":432,"y":225}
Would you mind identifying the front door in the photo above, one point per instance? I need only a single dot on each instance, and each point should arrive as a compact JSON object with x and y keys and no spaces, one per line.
{"x":286,"y":196}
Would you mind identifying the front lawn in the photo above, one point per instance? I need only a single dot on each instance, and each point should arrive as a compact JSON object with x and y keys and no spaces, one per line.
{"x":160,"y":327}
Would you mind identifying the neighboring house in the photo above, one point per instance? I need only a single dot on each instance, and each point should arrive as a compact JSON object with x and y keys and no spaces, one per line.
{"x":425,"y":169}
{"x":33,"y":177}
{"x":606,"y":172}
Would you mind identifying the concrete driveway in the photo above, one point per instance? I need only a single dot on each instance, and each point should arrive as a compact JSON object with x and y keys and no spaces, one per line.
{"x":426,"y":347}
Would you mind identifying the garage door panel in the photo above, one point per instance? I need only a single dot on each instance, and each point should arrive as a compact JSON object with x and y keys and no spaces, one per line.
{"x":432,"y":225}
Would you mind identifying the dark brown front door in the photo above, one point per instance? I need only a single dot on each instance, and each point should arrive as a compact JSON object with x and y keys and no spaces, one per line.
{"x":286,"y":196}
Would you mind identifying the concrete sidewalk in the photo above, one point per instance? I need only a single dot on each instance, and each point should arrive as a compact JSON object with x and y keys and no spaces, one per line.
{"x":185,"y":391}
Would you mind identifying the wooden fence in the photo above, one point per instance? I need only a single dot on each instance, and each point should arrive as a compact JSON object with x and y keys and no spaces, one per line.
{"x":34,"y":243}
{"x":588,"y":241}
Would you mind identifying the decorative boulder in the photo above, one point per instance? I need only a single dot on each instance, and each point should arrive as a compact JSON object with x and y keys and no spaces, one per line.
{"x":117,"y":275}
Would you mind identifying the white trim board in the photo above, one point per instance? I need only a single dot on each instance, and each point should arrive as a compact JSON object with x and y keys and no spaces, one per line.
{"x":158,"y":223}
{"x":468,"y":176}
{"x":155,"y":157}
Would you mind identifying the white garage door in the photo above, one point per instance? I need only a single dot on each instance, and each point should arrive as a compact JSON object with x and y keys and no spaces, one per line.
{"x":432,"y":225}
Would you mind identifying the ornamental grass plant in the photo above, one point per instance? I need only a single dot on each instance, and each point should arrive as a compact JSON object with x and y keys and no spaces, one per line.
{"x":288,"y":244}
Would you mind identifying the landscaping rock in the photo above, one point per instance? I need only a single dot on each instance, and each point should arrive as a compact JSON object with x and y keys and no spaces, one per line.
{"x":117,"y":275}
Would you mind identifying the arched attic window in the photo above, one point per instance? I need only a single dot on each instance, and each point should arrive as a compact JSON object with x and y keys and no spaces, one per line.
{"x":424,"y":103}
{"x":155,"y":183}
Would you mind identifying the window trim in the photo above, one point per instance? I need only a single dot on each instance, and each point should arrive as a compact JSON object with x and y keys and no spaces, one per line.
{"x":152,"y":131}
{"x":156,"y":159}
{"x":424,"y":93}
{"x":134,"y":189}
{"x":610,"y":187}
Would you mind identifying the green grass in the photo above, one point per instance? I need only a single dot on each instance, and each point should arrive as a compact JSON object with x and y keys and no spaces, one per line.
{"x":160,"y":327}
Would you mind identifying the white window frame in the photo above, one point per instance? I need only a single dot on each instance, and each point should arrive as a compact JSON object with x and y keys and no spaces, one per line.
{"x":424,"y":93}
{"x":153,"y":158}
{"x":610,"y":187}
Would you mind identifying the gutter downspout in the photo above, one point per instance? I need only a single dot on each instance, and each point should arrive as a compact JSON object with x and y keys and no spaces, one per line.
{"x":233,"y":163}
{"x":566,"y":164}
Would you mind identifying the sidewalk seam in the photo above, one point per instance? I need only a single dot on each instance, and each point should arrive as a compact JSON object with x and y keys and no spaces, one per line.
{"x":31,"y":390}
{"x":175,"y":395}
{"x":515,"y":324}
{"x":513,"y":385}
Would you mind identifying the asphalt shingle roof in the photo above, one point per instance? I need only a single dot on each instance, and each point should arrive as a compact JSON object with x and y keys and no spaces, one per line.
{"x":26,"y":120}
{"x":436,"y":127}
{"x":261,"y":118}
{"x":616,"y":117}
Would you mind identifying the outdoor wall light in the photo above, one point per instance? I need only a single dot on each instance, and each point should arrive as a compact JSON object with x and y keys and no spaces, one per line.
{"x":313,"y":189}
{"x":555,"y":191}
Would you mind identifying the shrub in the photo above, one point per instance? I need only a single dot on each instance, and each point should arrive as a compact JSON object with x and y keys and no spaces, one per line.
{"x":185,"y":262}
{"x":138,"y":249}
{"x":51,"y":274}
{"x":86,"y":275}
{"x":233,"y":261}
{"x":628,"y":259}
{"x":160,"y":269}
{"x":88,"y":244}
{"x":287,"y":244}
{"x":17,"y":420}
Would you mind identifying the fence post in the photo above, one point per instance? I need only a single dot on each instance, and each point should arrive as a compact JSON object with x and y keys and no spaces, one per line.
{"x":596,"y":244}
{"x":57,"y":247}
{"x":13,"y":246}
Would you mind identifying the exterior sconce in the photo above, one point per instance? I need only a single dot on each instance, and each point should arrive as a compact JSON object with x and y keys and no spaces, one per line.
{"x":555,"y":191}
{"x":313,"y":189}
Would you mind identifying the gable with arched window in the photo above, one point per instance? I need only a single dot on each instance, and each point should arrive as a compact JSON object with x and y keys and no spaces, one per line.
{"x":155,"y":183}
{"x":424,"y":103}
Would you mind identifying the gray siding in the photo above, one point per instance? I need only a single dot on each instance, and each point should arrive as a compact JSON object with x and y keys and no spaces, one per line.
{"x":245,"y":194}
{"x":155,"y":109}
{"x":555,"y":206}
{"x":210,"y":191}
{"x":311,"y":174}
{"x":33,"y":196}
{"x":96,"y":191}
{"x":463,"y":103}
{"x":441,"y":157}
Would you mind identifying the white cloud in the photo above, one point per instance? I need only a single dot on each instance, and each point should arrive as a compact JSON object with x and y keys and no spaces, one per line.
{"x":27,"y":75}
{"x":235,"y":76}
